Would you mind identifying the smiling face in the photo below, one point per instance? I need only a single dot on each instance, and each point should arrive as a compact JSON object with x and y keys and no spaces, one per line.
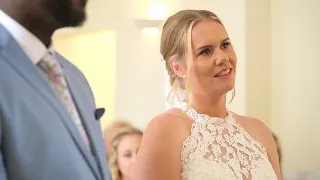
{"x":198,"y":55}
{"x":214,"y":60}
{"x":213,"y":65}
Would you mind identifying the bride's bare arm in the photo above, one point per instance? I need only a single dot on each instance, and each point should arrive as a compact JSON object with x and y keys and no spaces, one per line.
{"x":159,"y":154}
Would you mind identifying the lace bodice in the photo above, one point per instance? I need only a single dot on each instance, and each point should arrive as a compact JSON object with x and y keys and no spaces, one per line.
{"x":220,"y":149}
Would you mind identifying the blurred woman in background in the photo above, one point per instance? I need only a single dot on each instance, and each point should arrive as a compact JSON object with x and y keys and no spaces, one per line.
{"x":124,"y":148}
{"x":113,"y":129}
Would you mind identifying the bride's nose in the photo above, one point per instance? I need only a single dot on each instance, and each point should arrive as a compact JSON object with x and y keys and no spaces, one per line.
{"x":220,"y":57}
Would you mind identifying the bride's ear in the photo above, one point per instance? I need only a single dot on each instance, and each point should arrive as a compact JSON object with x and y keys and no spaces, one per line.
{"x":177,"y":66}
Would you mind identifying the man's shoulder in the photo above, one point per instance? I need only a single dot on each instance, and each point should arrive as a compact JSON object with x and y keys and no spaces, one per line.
{"x":69,"y":68}
{"x":74,"y":72}
{"x":4,"y":37}
{"x":66,"y":64}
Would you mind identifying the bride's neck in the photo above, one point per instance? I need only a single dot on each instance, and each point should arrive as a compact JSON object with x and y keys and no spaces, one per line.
{"x":212,"y":107}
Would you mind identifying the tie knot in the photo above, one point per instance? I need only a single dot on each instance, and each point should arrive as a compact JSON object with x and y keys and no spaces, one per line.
{"x":49,"y":64}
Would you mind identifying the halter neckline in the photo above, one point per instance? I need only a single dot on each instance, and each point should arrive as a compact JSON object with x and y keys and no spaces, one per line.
{"x":196,"y":116}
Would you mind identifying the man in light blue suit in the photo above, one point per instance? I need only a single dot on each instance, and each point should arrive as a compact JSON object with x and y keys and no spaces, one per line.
{"x":49,"y":125}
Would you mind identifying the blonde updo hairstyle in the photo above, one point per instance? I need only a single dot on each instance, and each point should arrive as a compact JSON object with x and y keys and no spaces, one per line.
{"x":113,"y":154}
{"x":176,"y":43}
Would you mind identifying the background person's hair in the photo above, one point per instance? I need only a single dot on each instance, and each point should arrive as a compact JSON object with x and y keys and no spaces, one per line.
{"x":113,"y":155}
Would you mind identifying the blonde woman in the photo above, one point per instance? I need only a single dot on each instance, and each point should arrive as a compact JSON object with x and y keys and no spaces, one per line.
{"x":124,"y":147}
{"x":112,"y":129}
{"x":201,"y":139}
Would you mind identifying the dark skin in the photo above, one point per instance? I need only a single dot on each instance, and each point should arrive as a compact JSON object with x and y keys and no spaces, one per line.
{"x":43,"y":17}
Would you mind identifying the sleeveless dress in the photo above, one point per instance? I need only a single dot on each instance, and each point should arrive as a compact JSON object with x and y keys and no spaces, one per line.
{"x":220,"y":149}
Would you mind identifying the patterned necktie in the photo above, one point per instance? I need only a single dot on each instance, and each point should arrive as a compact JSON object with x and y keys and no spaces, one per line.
{"x":53,"y":71}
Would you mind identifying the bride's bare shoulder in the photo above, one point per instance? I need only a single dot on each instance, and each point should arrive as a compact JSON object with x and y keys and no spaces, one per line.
{"x":254,"y":127}
{"x":170,"y":122}
{"x":173,"y":116}
{"x":159,"y":153}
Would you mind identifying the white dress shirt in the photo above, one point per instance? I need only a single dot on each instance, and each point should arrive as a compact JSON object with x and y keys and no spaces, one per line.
{"x":31,"y":45}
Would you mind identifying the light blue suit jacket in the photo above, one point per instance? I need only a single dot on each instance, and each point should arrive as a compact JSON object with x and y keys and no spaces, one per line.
{"x":38,"y":138}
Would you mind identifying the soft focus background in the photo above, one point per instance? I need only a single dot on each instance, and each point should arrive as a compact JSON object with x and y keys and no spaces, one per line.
{"x":278,"y":48}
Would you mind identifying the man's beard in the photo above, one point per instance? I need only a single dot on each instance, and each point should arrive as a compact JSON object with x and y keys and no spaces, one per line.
{"x":63,"y":14}
{"x":77,"y":18}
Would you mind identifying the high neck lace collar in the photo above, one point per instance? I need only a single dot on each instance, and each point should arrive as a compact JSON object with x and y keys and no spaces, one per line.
{"x":198,"y":117}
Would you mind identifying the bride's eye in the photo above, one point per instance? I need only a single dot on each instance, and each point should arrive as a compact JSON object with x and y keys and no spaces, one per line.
{"x":225,"y":45}
{"x":205,"y":52}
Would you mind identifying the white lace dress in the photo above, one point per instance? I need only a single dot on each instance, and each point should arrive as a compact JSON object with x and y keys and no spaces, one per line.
{"x":220,"y":149}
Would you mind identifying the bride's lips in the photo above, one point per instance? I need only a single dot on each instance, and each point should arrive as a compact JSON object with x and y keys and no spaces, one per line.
{"x":223,"y":73}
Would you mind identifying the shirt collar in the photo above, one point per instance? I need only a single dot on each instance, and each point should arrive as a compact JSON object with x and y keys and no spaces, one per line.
{"x":31,"y":45}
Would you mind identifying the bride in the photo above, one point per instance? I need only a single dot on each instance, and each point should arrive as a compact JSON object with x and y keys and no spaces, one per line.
{"x":200,"y":139}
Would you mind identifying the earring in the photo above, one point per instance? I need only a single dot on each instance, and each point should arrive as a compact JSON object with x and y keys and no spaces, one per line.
{"x":184,"y":76}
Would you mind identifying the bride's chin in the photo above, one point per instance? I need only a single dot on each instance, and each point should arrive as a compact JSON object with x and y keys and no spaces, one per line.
{"x":221,"y":91}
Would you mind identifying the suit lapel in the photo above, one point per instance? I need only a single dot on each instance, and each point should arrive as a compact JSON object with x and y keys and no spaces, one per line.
{"x":16,"y":57}
{"x":86,"y":113}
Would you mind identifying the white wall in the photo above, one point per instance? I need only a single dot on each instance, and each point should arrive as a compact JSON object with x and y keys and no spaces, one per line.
{"x":295,"y":28}
{"x":139,"y":73}
{"x":258,"y":59}
{"x":94,"y":53}
{"x":282,"y":53}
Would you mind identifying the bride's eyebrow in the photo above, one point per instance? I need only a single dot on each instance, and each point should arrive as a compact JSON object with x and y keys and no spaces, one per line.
{"x":226,"y":39}
{"x":201,"y":47}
